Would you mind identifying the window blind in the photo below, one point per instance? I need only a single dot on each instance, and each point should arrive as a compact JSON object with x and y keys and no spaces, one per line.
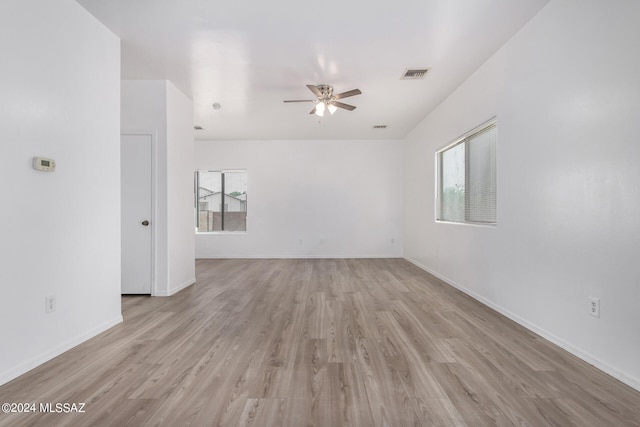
{"x":467,"y":178}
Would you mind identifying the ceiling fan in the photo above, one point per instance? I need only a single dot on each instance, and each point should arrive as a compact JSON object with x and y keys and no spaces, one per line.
{"x":327,"y":101}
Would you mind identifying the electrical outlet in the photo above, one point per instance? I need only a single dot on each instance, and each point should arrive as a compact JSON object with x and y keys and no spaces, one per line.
{"x":50,"y":304}
{"x":594,"y":307}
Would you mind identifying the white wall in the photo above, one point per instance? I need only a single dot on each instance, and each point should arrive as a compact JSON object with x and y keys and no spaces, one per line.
{"x":311,"y":198}
{"x":59,"y":82}
{"x":180,"y":167}
{"x":158,"y":107}
{"x":566,"y":94}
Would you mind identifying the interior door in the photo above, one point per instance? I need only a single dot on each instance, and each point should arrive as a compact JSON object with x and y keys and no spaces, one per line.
{"x":136,"y":208}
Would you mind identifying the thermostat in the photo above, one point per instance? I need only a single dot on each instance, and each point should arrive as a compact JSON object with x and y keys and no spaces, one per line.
{"x":44,"y":164}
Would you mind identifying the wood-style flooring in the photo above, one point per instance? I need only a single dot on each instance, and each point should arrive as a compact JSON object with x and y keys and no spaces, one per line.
{"x":322,"y":342}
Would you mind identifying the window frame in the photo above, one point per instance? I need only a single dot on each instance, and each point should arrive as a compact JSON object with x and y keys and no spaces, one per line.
{"x":466,"y":138}
{"x":196,"y":194}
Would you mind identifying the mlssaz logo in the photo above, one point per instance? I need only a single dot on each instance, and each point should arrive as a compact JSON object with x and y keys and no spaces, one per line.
{"x":62,"y":408}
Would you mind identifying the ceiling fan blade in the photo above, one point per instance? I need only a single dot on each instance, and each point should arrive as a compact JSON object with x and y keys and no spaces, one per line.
{"x":313,"y":111}
{"x":315,"y":90}
{"x":348,"y":93}
{"x":342,"y":105}
{"x":300,"y":100}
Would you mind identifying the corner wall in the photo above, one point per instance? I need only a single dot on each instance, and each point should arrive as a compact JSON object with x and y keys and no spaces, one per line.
{"x":565,"y":91}
{"x":180,"y":167}
{"x":59,"y":81}
{"x":306,"y":199}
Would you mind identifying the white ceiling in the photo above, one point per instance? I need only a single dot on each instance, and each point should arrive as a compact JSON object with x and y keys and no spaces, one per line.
{"x":251,"y":55}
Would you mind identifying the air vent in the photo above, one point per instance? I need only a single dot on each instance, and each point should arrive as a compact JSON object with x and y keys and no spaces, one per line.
{"x":379,"y":126}
{"x":197,"y":127}
{"x":414,"y":74}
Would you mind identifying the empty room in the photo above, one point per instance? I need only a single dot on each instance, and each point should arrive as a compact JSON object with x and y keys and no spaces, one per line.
{"x":349,"y":213}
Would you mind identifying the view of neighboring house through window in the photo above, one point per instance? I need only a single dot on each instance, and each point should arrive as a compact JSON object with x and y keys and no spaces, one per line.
{"x":467,"y":178}
{"x":221,"y":200}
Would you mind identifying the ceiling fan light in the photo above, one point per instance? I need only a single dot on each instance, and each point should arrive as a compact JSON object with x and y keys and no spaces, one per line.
{"x":320,"y":109}
{"x":332,"y":108}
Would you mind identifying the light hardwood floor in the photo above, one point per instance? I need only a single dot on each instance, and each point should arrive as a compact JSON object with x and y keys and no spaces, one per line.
{"x":319,"y":343}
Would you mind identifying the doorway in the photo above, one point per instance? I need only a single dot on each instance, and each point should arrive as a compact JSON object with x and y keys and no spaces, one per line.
{"x":137,"y":225}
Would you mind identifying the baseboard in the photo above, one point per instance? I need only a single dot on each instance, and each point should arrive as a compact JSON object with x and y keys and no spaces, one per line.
{"x":298,"y":256}
{"x":176,"y":289}
{"x":34,"y":362}
{"x":578,"y":352}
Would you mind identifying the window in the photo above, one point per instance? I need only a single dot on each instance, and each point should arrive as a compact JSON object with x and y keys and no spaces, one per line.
{"x":221,"y":201}
{"x":467,"y":178}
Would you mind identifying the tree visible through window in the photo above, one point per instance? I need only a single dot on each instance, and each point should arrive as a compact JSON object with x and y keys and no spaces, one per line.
{"x":221,"y":200}
{"x":467,"y":178}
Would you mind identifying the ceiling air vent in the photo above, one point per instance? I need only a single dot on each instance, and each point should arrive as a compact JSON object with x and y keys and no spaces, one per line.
{"x":379,"y":126}
{"x":414,"y":74}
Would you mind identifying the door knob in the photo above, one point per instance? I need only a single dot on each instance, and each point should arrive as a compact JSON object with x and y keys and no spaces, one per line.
{"x":145,"y":222}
